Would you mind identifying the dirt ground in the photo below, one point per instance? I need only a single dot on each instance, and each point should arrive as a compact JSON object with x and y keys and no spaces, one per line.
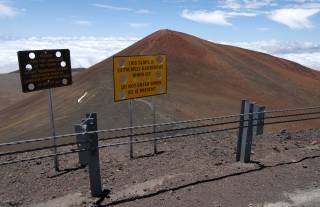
{"x":190,"y":171}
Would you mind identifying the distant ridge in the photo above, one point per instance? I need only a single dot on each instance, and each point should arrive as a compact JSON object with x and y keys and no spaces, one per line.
{"x":10,"y":88}
{"x":204,"y":79}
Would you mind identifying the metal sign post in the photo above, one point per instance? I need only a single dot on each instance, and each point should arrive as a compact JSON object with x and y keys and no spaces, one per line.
{"x":51,"y":120}
{"x":131,"y":124}
{"x":152,"y":107}
{"x":155,"y":150}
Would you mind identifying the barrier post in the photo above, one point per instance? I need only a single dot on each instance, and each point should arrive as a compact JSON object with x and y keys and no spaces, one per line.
{"x":243,"y":103}
{"x":260,"y":124}
{"x":245,"y":132}
{"x":93,"y":156}
{"x":255,"y":117}
{"x":82,"y":144}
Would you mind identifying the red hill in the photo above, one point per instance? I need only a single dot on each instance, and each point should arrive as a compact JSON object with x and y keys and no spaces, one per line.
{"x":204,"y":79}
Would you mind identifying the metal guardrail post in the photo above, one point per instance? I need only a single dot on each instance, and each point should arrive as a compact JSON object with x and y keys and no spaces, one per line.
{"x":93,"y":156}
{"x":245,"y":132}
{"x":243,"y":103}
{"x":82,"y":144}
{"x":255,"y":117}
{"x":260,"y":123}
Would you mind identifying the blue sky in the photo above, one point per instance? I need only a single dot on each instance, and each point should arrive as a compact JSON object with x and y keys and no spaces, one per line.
{"x":98,"y":28}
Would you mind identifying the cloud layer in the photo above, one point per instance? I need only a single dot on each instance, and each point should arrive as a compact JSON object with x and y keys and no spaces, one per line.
{"x":85,"y":51}
{"x":305,"y":53}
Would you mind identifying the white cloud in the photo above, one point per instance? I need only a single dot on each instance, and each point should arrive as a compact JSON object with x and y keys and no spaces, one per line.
{"x":85,"y":51}
{"x":83,"y":22}
{"x":230,"y":4}
{"x":295,"y":14}
{"x":311,"y":5}
{"x":245,"y":14}
{"x":310,"y":60}
{"x":138,"y":25}
{"x":279,"y":47}
{"x":305,"y":4}
{"x":256,"y":4}
{"x":7,"y":11}
{"x":116,"y":8}
{"x":246,"y":4}
{"x":143,"y":11}
{"x":110,"y":7}
{"x":213,"y":17}
{"x":294,"y":18}
{"x":305,"y":53}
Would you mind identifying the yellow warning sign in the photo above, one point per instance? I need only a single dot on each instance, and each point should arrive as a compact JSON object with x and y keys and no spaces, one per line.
{"x":139,"y":76}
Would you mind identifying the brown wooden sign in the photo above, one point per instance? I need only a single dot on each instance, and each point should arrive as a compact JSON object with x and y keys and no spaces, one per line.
{"x":43,"y":69}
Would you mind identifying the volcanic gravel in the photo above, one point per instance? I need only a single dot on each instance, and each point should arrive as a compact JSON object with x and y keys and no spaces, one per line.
{"x":189,"y":171}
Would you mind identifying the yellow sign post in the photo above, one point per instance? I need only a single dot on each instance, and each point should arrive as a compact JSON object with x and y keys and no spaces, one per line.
{"x":139,"y":76}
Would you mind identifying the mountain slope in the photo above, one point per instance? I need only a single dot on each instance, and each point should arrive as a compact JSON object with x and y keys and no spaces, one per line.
{"x":204,"y":79}
{"x":10,"y":88}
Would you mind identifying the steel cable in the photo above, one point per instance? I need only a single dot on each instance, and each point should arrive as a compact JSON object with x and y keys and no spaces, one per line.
{"x":149,"y":140}
{"x":148,"y":126}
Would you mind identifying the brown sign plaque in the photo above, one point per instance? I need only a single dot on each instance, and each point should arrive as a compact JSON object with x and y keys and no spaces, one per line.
{"x":43,"y":69}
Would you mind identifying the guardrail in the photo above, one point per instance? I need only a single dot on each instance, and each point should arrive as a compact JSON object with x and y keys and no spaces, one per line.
{"x":249,"y":122}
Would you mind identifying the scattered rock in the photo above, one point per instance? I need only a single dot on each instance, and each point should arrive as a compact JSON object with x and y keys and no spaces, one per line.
{"x":275,"y":148}
{"x":283,"y":131}
{"x":13,"y":181}
{"x":13,"y":203}
{"x":288,"y":137}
